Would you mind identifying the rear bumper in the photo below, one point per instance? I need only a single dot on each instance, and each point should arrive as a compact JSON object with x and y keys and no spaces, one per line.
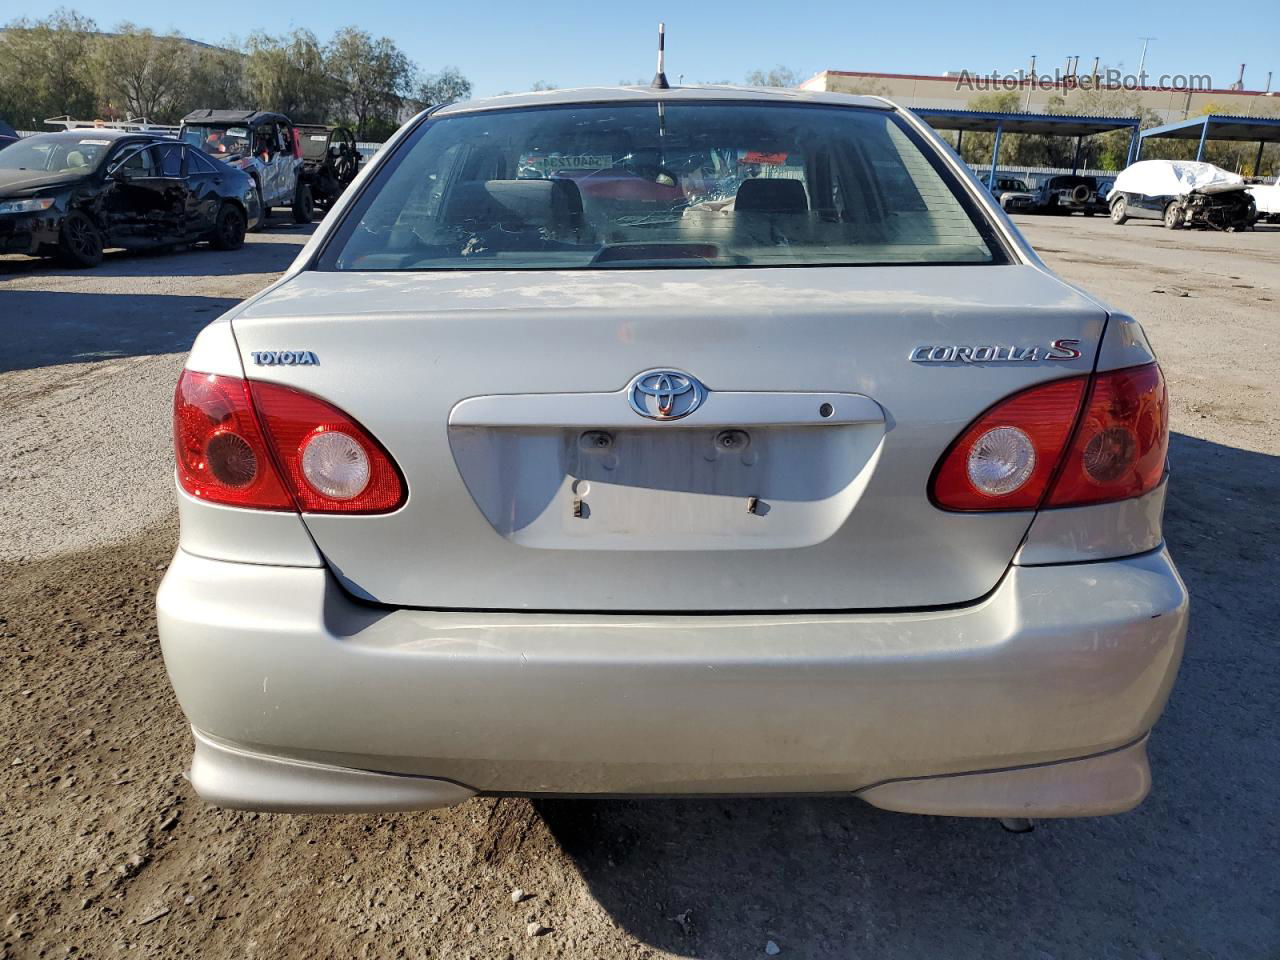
{"x":305,"y":700}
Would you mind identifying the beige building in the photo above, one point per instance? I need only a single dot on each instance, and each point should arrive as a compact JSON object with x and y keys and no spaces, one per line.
{"x":1182,"y":97}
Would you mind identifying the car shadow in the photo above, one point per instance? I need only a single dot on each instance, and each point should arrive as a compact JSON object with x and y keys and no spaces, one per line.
{"x":40,"y":328}
{"x":258,"y":255}
{"x":93,"y":314}
{"x":1189,"y":874}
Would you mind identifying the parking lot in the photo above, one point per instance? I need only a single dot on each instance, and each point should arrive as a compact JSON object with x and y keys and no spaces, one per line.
{"x":107,"y":853}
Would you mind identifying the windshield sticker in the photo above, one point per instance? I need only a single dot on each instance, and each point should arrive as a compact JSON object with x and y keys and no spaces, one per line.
{"x":96,"y":143}
{"x":533,"y":164}
{"x":764,"y":159}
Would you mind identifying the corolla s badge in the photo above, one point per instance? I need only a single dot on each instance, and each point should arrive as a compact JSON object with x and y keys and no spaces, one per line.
{"x":665,"y":394}
{"x":1060,"y":349}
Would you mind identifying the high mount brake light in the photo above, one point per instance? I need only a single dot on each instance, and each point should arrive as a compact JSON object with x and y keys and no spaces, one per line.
{"x":1036,"y":448}
{"x":268,"y":447}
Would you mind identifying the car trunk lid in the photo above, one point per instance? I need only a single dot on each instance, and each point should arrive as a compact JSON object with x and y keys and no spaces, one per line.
{"x":799,"y":483}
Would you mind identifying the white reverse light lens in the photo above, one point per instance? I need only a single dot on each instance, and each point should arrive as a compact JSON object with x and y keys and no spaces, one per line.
{"x":1001,"y":460}
{"x":335,"y":465}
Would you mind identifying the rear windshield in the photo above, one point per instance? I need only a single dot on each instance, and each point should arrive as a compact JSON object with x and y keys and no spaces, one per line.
{"x":678,"y":184}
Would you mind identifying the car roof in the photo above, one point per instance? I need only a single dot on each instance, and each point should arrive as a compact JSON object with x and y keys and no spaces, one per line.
{"x":646,"y":94}
{"x":99,"y":133}
{"x":232,"y":116}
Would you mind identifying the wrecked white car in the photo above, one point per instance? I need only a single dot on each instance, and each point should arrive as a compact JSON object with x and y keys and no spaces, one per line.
{"x":1182,"y":193}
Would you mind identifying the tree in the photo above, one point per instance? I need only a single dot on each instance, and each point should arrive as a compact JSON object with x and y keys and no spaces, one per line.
{"x":217,"y":80}
{"x":372,"y":78}
{"x":1107,"y":151}
{"x":64,"y":65}
{"x":976,"y":147}
{"x":779,"y":76}
{"x":289,"y":74}
{"x":446,"y":86}
{"x":142,"y":74}
{"x":44,"y":68}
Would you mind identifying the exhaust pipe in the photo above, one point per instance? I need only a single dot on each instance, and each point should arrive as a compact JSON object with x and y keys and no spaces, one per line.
{"x":1017,"y":824}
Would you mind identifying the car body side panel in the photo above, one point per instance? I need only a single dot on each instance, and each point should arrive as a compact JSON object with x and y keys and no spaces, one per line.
{"x":218,"y":532}
{"x":203,"y":202}
{"x":1096,"y":532}
{"x":1125,"y":343}
{"x":1143,"y":206}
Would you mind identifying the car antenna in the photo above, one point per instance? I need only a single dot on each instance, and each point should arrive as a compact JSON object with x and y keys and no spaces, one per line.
{"x":660,"y":78}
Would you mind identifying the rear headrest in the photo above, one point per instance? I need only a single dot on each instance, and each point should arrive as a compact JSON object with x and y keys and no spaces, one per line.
{"x":516,"y":204}
{"x":767,"y":195}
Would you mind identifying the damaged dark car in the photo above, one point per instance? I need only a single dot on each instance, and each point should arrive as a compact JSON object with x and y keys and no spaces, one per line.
{"x":75,"y":193}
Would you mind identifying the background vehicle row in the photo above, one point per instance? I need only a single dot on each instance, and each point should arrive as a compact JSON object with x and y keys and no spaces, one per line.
{"x":77,"y":192}
{"x":264,"y":145}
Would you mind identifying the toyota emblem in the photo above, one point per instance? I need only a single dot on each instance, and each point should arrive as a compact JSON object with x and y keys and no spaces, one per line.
{"x":665,"y":394}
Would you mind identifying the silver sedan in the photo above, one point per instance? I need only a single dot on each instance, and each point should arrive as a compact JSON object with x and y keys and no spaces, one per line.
{"x":672,"y":441}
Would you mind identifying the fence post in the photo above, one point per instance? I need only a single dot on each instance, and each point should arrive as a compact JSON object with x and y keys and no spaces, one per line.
{"x":995,"y":155}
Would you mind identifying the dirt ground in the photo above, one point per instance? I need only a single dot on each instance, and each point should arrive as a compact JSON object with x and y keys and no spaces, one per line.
{"x":106,"y":852}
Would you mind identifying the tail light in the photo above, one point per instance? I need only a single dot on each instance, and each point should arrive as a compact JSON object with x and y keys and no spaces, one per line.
{"x":221,"y":453}
{"x":1037,"y":448}
{"x":1120,"y":447}
{"x":269,"y":447}
{"x":329,"y":461}
{"x":1043,"y":416}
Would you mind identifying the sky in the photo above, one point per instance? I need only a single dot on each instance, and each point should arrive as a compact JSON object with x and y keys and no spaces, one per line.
{"x":506,"y":46}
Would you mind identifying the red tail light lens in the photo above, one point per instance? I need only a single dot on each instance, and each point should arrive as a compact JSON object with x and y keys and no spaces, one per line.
{"x":1022,"y":453}
{"x":1007,"y":457}
{"x":1119,"y":449}
{"x":222,"y":456}
{"x":268,"y":447}
{"x":329,"y":461}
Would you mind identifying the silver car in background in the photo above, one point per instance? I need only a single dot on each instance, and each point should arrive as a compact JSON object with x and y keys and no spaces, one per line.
{"x":649,"y":442}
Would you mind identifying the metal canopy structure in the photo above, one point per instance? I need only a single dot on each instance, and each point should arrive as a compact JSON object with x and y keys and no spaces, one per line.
{"x":1046,"y":124}
{"x":1213,"y":126}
